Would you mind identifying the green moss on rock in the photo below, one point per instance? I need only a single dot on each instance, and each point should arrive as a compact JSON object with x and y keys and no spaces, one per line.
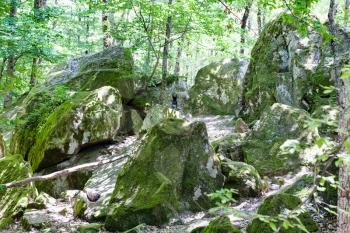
{"x":275,"y":205}
{"x":221,"y":225}
{"x":217,"y":88}
{"x":269,"y":147}
{"x":242,"y":177}
{"x":87,"y":118}
{"x":151,"y":187}
{"x":13,"y":168}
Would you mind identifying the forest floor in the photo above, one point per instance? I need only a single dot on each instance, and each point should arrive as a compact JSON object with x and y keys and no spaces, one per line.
{"x":59,"y":213}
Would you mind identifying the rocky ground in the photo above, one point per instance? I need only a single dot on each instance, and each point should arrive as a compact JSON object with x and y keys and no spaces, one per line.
{"x":58,"y":214}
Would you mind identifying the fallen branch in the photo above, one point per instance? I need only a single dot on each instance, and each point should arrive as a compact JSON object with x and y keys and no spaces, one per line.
{"x":65,"y":172}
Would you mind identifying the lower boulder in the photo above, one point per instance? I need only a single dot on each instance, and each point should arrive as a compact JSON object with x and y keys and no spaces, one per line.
{"x":242,"y":177}
{"x":219,"y":225}
{"x":13,"y":168}
{"x":87,"y":118}
{"x":279,"y":205}
{"x":172,"y":170}
{"x":273,"y":147}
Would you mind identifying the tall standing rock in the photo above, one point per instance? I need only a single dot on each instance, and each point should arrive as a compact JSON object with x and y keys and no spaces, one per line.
{"x":173,"y":170}
{"x":289,"y":69}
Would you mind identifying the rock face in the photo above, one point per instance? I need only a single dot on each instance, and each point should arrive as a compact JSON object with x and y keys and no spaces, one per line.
{"x":288,"y":69}
{"x":152,"y":187}
{"x":14,"y":168}
{"x":111,"y":67}
{"x":275,"y":205}
{"x":242,"y":177}
{"x":267,"y":147}
{"x":218,"y":88}
{"x":87,"y":118}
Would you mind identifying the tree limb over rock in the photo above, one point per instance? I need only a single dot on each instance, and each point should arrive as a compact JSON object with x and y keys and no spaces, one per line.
{"x":65,"y":172}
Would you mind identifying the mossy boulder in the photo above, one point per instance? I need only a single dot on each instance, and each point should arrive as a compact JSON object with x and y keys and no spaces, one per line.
{"x":151,"y":187}
{"x":86,"y":118}
{"x":242,"y":177}
{"x":13,"y":168}
{"x":278,"y":204}
{"x":218,"y":88}
{"x":273,"y":145}
{"x":291,"y":69}
{"x":230,"y":146}
{"x":301,"y":188}
{"x":156,"y":114}
{"x":111,"y":67}
{"x":219,"y":225}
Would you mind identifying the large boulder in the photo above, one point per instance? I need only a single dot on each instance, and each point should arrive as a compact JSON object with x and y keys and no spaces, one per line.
{"x":13,"y":168}
{"x":85,"y":119}
{"x":111,"y":67}
{"x":151,"y":187}
{"x":218,"y":88}
{"x":273,"y":145}
{"x":288,"y":68}
{"x":278,"y":204}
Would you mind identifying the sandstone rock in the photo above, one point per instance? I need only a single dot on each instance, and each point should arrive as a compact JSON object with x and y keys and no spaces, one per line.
{"x":152,"y":187}
{"x":218,"y":88}
{"x":274,"y":143}
{"x":88,"y":118}
{"x":289,"y":69}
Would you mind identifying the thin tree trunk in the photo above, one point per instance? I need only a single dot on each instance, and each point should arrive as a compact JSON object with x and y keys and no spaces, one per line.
{"x":166,"y":52}
{"x":10,"y":73}
{"x":178,"y":56}
{"x":259,"y":19}
{"x":244,"y":26}
{"x":344,"y":126}
{"x":106,"y":35}
{"x":2,"y":68}
{"x":11,"y":60}
{"x":346,"y":11}
{"x":38,"y":6}
{"x":34,"y":71}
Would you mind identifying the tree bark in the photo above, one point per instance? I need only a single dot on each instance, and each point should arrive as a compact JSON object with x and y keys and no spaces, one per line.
{"x":344,"y":126}
{"x":178,"y":56}
{"x":259,"y":19}
{"x":346,"y":11}
{"x":244,"y":26}
{"x":166,"y":52}
{"x":106,"y":35}
{"x":11,"y":60}
{"x":38,"y":6}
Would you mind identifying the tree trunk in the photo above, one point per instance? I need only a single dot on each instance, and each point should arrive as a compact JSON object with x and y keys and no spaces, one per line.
{"x":178,"y":56}
{"x":259,"y":19}
{"x":344,"y":126}
{"x":244,"y":26}
{"x":11,"y":60}
{"x":106,"y":35}
{"x":2,"y":68}
{"x":34,"y":71}
{"x":166,"y":52}
{"x":10,"y":73}
{"x":39,"y":17}
{"x":346,"y":11}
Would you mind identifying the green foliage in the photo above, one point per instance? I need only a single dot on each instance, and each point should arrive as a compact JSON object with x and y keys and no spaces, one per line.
{"x":223,"y":197}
